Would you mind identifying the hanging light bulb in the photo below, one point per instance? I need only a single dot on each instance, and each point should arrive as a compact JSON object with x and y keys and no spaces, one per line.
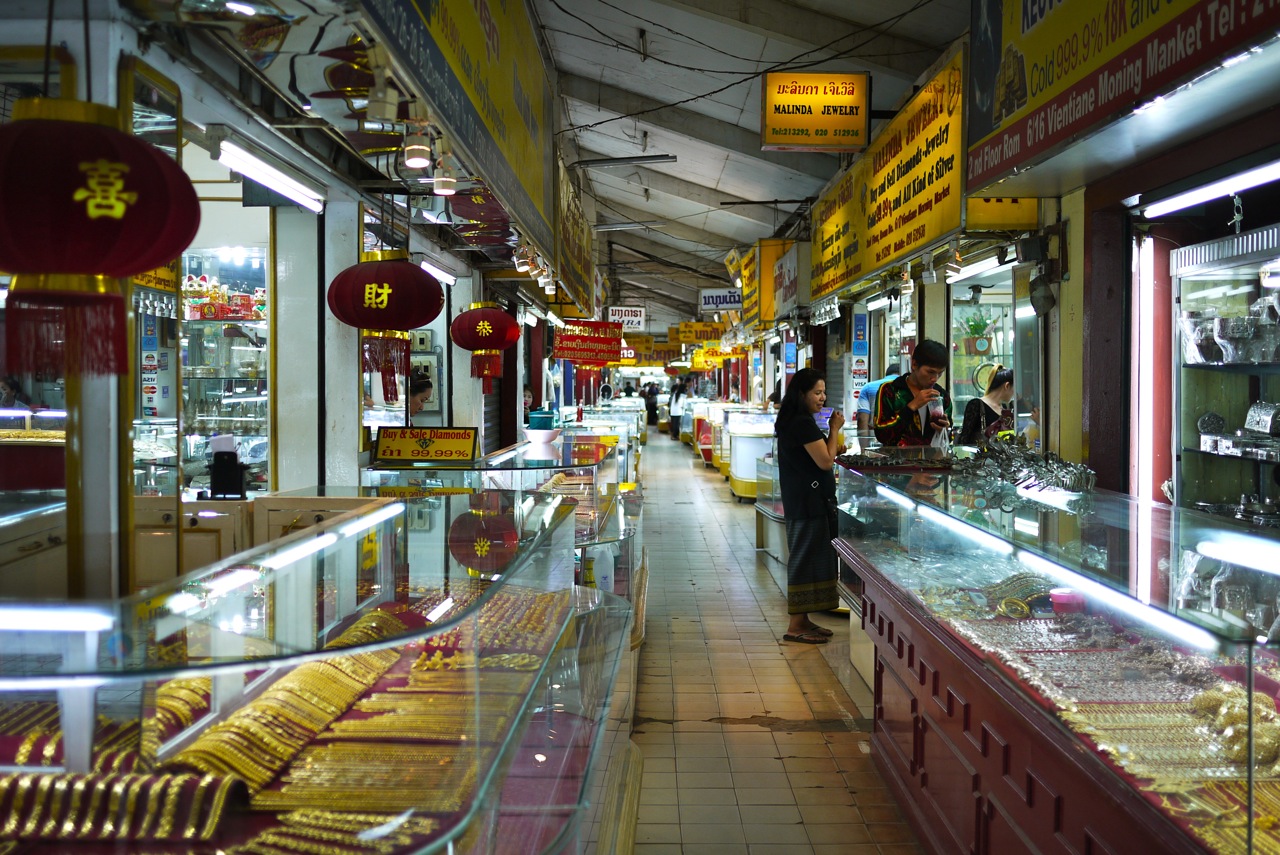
{"x":523,"y":260}
{"x":417,"y":151}
{"x":442,"y":181}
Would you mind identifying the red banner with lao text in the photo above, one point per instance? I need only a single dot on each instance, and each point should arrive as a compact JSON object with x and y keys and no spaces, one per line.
{"x":588,"y":342}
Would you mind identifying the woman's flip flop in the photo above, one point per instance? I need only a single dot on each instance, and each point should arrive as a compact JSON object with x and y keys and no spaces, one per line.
{"x":806,"y":637}
{"x":820,"y":630}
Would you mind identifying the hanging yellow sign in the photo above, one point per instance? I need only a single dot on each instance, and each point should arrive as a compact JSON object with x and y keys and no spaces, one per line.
{"x":397,"y":445}
{"x":815,"y":112}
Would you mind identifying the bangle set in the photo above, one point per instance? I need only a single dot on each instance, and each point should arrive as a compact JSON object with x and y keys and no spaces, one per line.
{"x":116,"y":807}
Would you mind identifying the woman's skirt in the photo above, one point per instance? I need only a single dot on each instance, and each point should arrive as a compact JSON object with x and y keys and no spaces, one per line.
{"x":811,"y":567}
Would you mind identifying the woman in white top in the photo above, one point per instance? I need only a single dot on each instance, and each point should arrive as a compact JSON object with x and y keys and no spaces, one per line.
{"x":678,"y":394}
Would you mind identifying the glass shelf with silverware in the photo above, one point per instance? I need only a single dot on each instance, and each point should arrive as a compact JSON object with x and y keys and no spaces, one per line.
{"x":1226,"y":417}
{"x":1144,"y":630}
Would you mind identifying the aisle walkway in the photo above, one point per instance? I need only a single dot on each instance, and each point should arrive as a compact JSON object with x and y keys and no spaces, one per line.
{"x":752,"y":746}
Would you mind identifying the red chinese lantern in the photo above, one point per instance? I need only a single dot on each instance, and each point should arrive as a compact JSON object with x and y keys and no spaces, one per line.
{"x":385,"y":291}
{"x":485,"y":330}
{"x":671,"y":371}
{"x":83,"y":205}
{"x":483,"y":541}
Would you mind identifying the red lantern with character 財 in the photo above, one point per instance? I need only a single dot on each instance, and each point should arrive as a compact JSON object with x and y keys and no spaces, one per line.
{"x":485,"y":330}
{"x":384,"y":294}
{"x":100,"y":206}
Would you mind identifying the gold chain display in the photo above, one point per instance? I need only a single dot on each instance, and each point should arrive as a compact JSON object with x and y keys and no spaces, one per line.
{"x":114,"y":807}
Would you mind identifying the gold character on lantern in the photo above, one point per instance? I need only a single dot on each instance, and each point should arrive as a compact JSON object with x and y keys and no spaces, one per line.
{"x":484,"y":328}
{"x":106,"y":189}
{"x":482,"y":547}
{"x":376,"y":296}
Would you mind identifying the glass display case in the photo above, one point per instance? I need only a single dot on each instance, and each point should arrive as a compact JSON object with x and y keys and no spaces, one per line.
{"x":225,"y":363}
{"x":33,"y":449}
{"x":610,"y":430}
{"x":750,"y":437}
{"x":340,"y":689}
{"x":1227,"y":373}
{"x":1085,"y":625}
{"x":155,"y":457}
{"x":606,"y":513}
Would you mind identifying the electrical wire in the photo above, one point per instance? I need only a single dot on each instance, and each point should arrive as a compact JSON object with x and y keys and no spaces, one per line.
{"x":788,"y":65}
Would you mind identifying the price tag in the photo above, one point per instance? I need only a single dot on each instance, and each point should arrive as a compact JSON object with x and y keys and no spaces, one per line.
{"x":407,"y":446}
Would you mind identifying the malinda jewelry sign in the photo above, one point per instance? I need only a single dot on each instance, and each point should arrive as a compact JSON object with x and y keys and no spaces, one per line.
{"x":815,"y":112}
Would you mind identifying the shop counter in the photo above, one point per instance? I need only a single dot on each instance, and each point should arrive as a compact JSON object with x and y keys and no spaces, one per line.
{"x":332,"y":687}
{"x":1059,"y":671}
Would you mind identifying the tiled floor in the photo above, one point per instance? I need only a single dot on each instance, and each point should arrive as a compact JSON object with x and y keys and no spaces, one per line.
{"x":751,"y":744}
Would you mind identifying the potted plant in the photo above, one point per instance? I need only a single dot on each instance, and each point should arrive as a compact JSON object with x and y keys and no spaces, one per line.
{"x":977,"y":328}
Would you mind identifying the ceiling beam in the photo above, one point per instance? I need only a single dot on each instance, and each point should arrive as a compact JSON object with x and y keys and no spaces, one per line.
{"x":669,"y":284}
{"x":660,"y":182}
{"x":643,"y":247}
{"x":675,"y":233}
{"x":693,"y":125}
{"x":658,"y":295}
{"x":902,"y":58}
{"x":643,"y":269}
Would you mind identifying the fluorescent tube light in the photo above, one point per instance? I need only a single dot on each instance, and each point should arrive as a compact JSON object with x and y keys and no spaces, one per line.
{"x":368,"y":521}
{"x":27,"y":619}
{"x":301,"y":551}
{"x":1121,"y":602}
{"x":622,"y":227}
{"x":1226,"y":187}
{"x":1024,"y":312}
{"x":238,"y":160}
{"x":968,"y":271}
{"x":638,"y":160}
{"x":554,"y":318}
{"x":878,"y":303}
{"x":440,"y":610}
{"x":974,"y":534}
{"x":445,"y":277}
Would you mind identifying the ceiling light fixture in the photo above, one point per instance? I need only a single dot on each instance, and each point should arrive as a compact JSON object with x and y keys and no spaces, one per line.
{"x":968,"y":271}
{"x":637,"y":160}
{"x":238,"y":160}
{"x":444,"y":276}
{"x":1230,"y":186}
{"x":442,"y":181}
{"x":417,"y":151}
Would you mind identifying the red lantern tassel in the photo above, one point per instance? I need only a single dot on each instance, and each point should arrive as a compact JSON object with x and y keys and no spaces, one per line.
{"x":56,"y":333}
{"x":389,"y":357}
{"x":488,"y":365}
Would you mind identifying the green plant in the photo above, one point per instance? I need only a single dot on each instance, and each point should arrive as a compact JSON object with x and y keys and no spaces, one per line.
{"x":976,"y":322}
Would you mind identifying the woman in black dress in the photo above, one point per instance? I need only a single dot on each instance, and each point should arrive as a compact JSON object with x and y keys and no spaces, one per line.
{"x":808,"y":485}
{"x":986,"y":416}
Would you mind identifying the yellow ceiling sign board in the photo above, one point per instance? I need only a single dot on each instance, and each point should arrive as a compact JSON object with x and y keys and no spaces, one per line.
{"x":815,"y":112}
{"x":641,"y":344}
{"x":1001,"y":215}
{"x":700,"y":332}
{"x":904,"y":195}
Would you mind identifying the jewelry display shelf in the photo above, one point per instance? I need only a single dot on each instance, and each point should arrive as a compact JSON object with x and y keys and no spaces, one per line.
{"x":322,"y":693}
{"x":1114,"y":724}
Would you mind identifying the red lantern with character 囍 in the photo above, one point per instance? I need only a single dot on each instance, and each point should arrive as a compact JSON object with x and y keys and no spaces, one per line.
{"x":101,"y":206}
{"x":485,"y":330}
{"x":384,"y":294}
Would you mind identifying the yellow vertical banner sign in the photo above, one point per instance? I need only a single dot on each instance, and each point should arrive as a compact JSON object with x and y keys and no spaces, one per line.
{"x":574,"y":251}
{"x":749,"y":272}
{"x":480,"y":65}
{"x":768,"y":251}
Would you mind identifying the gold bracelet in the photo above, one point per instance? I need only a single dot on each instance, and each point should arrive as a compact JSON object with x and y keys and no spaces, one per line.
{"x":139,"y":783}
{"x":55,"y":805}
{"x":15,"y":807}
{"x":113,"y":806}
{"x":27,"y":746}
{"x":37,"y":806}
{"x":172,"y":796}
{"x":50,"y":748}
{"x":215,"y":809}
{"x":197,"y":798}
{"x":154,"y":792}
{"x":73,"y":810}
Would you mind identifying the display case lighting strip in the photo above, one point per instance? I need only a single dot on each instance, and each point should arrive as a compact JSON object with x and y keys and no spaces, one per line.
{"x":369,"y":521}
{"x":1173,"y":627}
{"x":237,"y":159}
{"x":983,"y":538}
{"x":27,"y":619}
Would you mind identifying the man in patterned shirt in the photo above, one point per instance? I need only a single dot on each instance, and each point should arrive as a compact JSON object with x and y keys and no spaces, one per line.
{"x":903,"y":405}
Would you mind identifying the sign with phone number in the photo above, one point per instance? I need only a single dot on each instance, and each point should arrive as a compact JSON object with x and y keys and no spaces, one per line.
{"x":426,"y":445}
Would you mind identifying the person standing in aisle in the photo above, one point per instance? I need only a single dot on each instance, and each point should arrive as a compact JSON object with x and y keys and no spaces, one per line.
{"x":912,"y":408}
{"x":806,"y":460}
{"x":678,"y":392}
{"x":651,"y":403}
{"x":989,"y":415}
